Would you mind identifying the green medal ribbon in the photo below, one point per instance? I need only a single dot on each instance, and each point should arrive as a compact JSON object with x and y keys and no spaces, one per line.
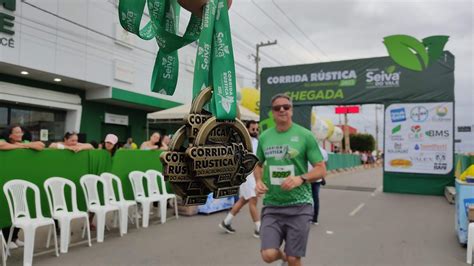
{"x":162,"y":26}
{"x":215,"y":61}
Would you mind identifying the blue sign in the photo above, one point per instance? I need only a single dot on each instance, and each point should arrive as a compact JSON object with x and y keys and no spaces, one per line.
{"x":398,"y":115}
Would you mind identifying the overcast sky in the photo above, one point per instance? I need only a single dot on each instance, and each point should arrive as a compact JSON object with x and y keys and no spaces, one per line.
{"x":311,"y":31}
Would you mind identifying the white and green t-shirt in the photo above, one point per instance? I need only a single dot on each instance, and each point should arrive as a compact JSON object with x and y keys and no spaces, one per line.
{"x":283,"y":154}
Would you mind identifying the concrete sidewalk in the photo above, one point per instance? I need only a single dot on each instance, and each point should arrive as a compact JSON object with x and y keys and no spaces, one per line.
{"x":356,"y":228}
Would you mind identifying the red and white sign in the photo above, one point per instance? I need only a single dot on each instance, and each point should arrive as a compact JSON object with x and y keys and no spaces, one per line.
{"x":347,"y":110}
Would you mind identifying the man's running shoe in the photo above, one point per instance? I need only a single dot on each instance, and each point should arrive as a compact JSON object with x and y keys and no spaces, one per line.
{"x":256,"y":234}
{"x":227,"y":227}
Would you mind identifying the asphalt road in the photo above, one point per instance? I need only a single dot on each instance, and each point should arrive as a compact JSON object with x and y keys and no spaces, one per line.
{"x":359,"y":225}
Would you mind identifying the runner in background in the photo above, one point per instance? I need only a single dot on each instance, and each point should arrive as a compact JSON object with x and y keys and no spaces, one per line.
{"x":316,"y":186}
{"x":247,"y":191}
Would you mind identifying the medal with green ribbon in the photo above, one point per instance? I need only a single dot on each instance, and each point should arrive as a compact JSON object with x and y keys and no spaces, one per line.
{"x":217,"y":154}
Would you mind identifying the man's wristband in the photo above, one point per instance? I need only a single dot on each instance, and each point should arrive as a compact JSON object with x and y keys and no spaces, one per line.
{"x":304,"y":178}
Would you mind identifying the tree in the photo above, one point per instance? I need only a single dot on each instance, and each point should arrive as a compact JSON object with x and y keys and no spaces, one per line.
{"x":361,"y":142}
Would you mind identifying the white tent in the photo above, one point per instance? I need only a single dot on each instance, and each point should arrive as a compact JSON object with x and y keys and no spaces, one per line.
{"x":178,"y":113}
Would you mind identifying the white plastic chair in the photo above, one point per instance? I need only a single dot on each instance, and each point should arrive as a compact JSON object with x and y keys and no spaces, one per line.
{"x":54,"y":187}
{"x":154,"y":190}
{"x":136,"y":178}
{"x":120,"y":202}
{"x":89,"y":185}
{"x":15,"y":192}
{"x":3,"y":244}
{"x":470,"y":243}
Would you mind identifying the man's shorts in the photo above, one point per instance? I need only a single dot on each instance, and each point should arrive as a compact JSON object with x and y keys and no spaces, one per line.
{"x":247,"y":189}
{"x":289,"y":223}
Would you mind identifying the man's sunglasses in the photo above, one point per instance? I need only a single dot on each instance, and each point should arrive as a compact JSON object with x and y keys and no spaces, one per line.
{"x":285,"y":107}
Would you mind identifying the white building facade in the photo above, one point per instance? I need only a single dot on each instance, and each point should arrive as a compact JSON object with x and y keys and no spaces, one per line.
{"x":69,"y":66}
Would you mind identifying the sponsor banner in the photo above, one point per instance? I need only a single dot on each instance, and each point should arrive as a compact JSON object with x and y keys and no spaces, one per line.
{"x":419,"y":138}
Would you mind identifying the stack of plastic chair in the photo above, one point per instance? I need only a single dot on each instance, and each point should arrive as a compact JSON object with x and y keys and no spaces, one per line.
{"x":89,"y":185}
{"x":3,"y":244}
{"x":154,"y":191}
{"x":54,"y":187}
{"x":15,"y":192}
{"x":119,"y":201}
{"x":136,"y":178}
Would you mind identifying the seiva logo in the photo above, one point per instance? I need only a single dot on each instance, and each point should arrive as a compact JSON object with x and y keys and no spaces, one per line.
{"x":412,"y":54}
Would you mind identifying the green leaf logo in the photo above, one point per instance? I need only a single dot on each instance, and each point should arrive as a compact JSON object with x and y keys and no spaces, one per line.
{"x":410,"y":53}
{"x":435,"y":46}
{"x":396,"y":129}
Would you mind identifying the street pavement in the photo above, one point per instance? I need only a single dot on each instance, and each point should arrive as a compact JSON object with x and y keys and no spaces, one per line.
{"x":359,"y":225}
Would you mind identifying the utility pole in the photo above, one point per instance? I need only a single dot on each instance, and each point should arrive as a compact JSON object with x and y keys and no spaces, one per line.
{"x":257,"y":59}
{"x":347,"y":142}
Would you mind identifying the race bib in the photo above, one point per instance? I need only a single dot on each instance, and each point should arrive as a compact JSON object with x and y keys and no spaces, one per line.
{"x":279,"y":173}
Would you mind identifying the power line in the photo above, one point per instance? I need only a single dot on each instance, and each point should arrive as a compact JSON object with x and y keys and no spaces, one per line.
{"x":237,"y":37}
{"x":99,"y":48}
{"x":299,"y":29}
{"x":283,"y":29}
{"x":81,"y":26}
{"x":263,"y":33}
{"x":252,"y":46}
{"x":251,"y":24}
{"x":99,"y":33}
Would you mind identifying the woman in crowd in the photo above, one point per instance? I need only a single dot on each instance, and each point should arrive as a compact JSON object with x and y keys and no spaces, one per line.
{"x":111,"y":144}
{"x":153,"y":144}
{"x":165,"y":143}
{"x":13,"y":139}
{"x":70,"y":142}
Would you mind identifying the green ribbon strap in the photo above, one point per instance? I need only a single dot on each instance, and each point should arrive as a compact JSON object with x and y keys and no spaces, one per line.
{"x":215,"y":61}
{"x":163,"y":25}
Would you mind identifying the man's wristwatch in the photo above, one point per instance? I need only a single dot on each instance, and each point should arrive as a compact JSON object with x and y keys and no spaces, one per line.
{"x":304,"y":178}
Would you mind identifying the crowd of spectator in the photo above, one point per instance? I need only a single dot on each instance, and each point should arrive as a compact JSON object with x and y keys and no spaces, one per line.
{"x":14,"y":137}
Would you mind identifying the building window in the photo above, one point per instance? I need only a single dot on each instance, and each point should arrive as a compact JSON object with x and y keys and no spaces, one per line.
{"x":3,"y":117}
{"x":34,"y":121}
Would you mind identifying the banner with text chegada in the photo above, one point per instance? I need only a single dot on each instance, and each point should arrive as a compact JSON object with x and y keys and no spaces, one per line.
{"x":419,"y":138}
{"x":359,"y":81}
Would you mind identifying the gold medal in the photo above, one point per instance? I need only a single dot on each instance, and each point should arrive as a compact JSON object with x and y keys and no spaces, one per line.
{"x":221,"y":156}
{"x":175,"y":165}
{"x":207,"y":155}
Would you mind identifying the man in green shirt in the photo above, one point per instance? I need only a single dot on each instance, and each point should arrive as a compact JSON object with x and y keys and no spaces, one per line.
{"x":282,"y":175}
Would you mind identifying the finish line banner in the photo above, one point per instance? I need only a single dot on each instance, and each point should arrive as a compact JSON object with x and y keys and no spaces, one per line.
{"x":360,"y":81}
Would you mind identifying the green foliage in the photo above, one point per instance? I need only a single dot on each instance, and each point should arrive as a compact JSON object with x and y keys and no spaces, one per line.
{"x":361,"y":142}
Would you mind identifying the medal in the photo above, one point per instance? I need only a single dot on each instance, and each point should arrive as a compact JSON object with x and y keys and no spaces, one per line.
{"x":218,"y":157}
{"x":212,"y":152}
